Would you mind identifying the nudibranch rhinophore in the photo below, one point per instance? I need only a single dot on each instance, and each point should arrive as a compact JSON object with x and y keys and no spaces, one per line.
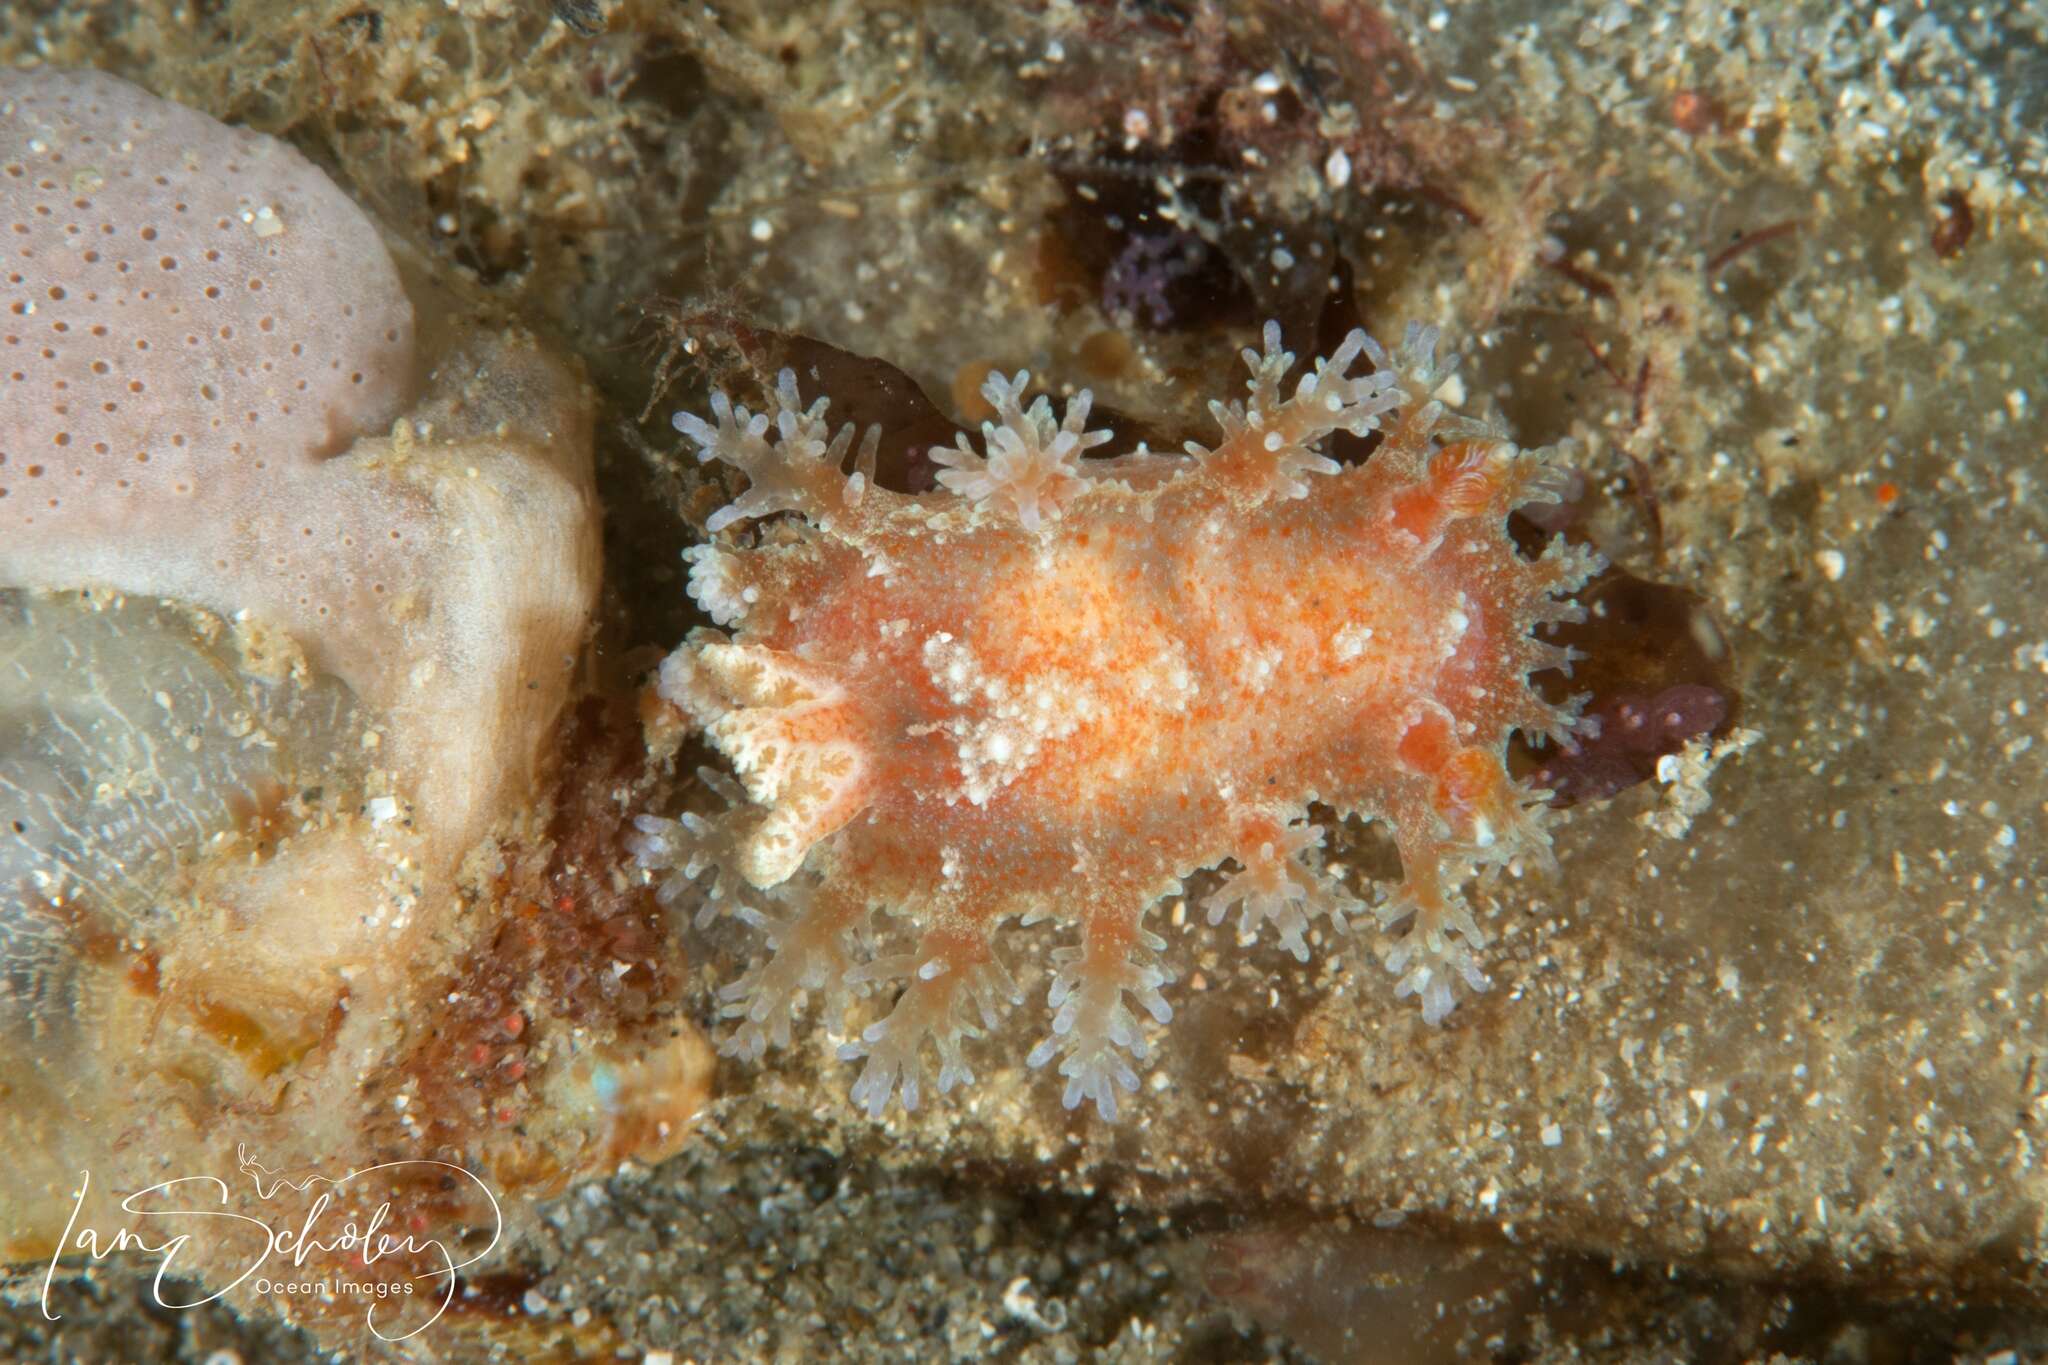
{"x":1060,"y":687}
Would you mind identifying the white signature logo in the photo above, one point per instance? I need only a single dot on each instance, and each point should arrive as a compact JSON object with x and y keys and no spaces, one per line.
{"x":368,"y":1243}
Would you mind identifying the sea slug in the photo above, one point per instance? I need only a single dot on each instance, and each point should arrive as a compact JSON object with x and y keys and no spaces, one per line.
{"x":1060,"y":687}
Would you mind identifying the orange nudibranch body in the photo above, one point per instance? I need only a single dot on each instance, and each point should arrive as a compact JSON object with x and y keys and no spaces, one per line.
{"x":1061,"y":687}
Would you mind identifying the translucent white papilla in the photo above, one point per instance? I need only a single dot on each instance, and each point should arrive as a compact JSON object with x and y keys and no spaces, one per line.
{"x":1032,"y":468}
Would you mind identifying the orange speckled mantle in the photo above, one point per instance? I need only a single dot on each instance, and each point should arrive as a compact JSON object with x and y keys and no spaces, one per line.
{"x":1061,"y":686}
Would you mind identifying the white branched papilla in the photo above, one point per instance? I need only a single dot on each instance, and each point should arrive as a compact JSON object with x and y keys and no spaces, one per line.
{"x":1033,"y":465}
{"x":809,"y":957}
{"x":1419,"y":373}
{"x":1091,"y":1021}
{"x":1286,"y":432}
{"x":1278,"y":883}
{"x":943,"y":1002}
{"x":692,"y":850}
{"x":715,"y":583}
{"x":1437,"y":949}
{"x":799,"y":470}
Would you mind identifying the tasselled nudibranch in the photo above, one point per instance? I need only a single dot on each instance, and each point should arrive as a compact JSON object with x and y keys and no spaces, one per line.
{"x":1060,"y":687}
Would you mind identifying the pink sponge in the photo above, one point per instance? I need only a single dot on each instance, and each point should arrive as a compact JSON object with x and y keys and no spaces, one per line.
{"x":275,"y":790}
{"x":206,"y":395}
{"x":185,"y":305}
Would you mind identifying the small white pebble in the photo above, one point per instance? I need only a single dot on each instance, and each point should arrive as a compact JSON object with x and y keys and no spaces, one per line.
{"x":1832,"y":564}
